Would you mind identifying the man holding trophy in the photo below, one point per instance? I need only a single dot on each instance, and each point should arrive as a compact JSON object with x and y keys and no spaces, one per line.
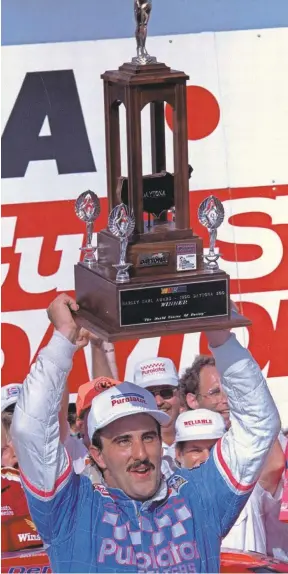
{"x":136,"y":520}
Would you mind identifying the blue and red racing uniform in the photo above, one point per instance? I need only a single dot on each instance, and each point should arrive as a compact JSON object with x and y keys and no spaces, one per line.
{"x":181,"y":527}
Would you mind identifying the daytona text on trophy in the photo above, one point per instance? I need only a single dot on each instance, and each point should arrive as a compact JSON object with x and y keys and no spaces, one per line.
{"x":151,"y":278}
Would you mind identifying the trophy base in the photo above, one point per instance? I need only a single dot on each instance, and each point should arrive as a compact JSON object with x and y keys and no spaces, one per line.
{"x":135,"y":73}
{"x":89,"y":255}
{"x":155,"y":307}
{"x":122,"y":275}
{"x":144,"y":60}
{"x":111,"y":334}
{"x":211,"y":261}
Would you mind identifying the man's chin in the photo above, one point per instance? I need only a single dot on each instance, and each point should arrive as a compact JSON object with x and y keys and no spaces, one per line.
{"x":144,"y":489}
{"x":226,"y":417}
{"x":167,"y":412}
{"x":143,"y":494}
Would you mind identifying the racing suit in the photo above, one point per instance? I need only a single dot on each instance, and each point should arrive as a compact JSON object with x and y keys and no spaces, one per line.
{"x":102,"y":529}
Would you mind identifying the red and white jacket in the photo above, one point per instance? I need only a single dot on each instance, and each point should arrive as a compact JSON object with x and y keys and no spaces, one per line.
{"x":18,"y":531}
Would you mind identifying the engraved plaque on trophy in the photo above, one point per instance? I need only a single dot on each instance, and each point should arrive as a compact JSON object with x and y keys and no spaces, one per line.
{"x":151,"y":277}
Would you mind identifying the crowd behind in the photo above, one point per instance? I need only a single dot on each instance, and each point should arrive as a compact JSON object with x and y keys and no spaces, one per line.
{"x":199,"y":417}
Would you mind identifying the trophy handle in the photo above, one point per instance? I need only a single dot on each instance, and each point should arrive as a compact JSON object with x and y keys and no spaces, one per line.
{"x":89,"y":230}
{"x":123,"y":249}
{"x":213,"y":237}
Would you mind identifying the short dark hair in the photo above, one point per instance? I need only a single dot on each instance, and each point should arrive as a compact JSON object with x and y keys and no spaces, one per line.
{"x":6,"y":419}
{"x":10,"y":409}
{"x":83,"y":413}
{"x":180,"y":445}
{"x":72,"y":415}
{"x":97,"y":441}
{"x":190,"y":380}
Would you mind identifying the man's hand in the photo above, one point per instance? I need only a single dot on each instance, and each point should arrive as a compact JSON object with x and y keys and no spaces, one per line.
{"x":60,"y":313}
{"x":82,"y":338}
{"x":219,"y":337}
{"x":95,"y":340}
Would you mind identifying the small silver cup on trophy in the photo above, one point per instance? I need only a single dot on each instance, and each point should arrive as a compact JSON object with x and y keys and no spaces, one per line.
{"x":87,"y":208}
{"x":211,"y":215}
{"x":121,"y":223}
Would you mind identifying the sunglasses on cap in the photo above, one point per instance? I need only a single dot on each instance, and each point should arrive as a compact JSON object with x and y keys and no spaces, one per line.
{"x":163,"y":393}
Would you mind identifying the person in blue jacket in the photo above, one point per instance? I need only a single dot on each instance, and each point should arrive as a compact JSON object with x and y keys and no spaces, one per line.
{"x":136,"y":521}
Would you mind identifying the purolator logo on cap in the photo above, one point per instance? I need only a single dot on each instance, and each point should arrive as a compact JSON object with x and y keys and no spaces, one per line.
{"x":153,"y":368}
{"x":127,"y":398}
{"x":198,"y":422}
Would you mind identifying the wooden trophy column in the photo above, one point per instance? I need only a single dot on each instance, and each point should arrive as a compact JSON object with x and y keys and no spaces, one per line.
{"x":169,"y":290}
{"x":135,"y":87}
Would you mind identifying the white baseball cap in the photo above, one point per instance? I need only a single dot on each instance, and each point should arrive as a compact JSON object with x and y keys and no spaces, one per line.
{"x":9,"y":395}
{"x":120,"y":401}
{"x":155,"y":373}
{"x":200,"y":424}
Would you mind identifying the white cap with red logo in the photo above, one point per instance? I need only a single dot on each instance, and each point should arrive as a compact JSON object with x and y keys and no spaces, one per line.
{"x":9,"y":395}
{"x":200,"y":424}
{"x":155,"y":373}
{"x":120,"y":401}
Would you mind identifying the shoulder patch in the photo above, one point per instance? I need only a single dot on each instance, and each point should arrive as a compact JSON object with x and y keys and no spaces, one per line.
{"x":176,"y":482}
{"x":102,"y":490}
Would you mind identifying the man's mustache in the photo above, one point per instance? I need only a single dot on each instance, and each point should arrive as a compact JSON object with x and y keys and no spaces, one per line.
{"x":146,"y":462}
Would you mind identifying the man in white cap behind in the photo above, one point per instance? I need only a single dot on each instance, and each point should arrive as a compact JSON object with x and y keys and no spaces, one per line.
{"x":159,"y":377}
{"x":9,"y":396}
{"x":197,"y":432}
{"x":137,"y":521}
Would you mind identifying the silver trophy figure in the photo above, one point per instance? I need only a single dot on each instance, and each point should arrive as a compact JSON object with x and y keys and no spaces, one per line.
{"x":211,"y":215}
{"x":142,"y":10}
{"x":87,"y":208}
{"x":121,"y":223}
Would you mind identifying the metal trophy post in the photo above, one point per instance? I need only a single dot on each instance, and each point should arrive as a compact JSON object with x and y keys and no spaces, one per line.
{"x":87,"y":208}
{"x":142,"y":10}
{"x":211,"y":215}
{"x":121,"y":223}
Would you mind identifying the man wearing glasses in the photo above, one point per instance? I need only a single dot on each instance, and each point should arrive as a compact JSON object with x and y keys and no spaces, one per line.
{"x":200,"y":388}
{"x":159,"y":376}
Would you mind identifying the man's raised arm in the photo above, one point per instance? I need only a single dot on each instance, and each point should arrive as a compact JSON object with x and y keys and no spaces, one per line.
{"x":255,"y":422}
{"x":43,"y":461}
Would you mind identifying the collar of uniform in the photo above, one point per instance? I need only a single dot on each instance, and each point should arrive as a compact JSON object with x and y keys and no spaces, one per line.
{"x":160,"y":495}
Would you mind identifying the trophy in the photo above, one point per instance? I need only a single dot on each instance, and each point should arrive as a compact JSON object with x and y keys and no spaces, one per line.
{"x":142,"y":10}
{"x":121,"y":223}
{"x":211,"y":215}
{"x":87,"y":208}
{"x":150,"y":278}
